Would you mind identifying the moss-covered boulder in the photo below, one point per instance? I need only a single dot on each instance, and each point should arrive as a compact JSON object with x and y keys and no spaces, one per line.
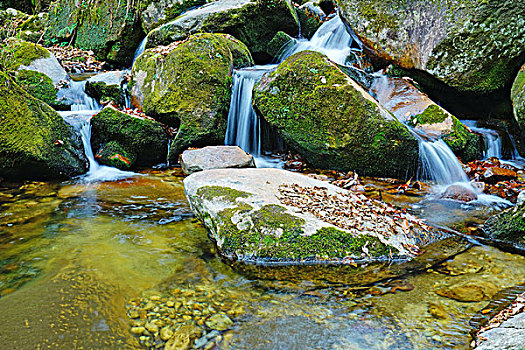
{"x":253,"y":22}
{"x":27,"y":6}
{"x":509,"y":225}
{"x":518,"y":98}
{"x":280,"y":42}
{"x":154,"y":13}
{"x":116,"y":155}
{"x":470,"y":45}
{"x":272,"y":216}
{"x":311,"y":16}
{"x":35,"y":142}
{"x":188,"y":86}
{"x":40,"y":86}
{"x":122,"y":140}
{"x":23,"y":55}
{"x":111,"y":28}
{"x":108,"y":87}
{"x":327,"y":117}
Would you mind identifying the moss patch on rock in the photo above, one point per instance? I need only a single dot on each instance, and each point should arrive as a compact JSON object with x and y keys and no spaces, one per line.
{"x":327,"y":117}
{"x":199,"y":106}
{"x":474,"y":45}
{"x":21,"y":53}
{"x":278,"y":44}
{"x":35,"y":142}
{"x":111,"y":28}
{"x":221,"y":193}
{"x":138,"y":138}
{"x":277,"y":235}
{"x":39,"y":86}
{"x":508,"y":226}
{"x":517,"y":96}
{"x":105,"y":93}
{"x":113,"y":154}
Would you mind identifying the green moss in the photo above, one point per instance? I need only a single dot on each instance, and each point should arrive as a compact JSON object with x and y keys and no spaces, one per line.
{"x":22,"y":53}
{"x":39,"y":86}
{"x":324,"y":116}
{"x":143,"y":139}
{"x":222,"y":193}
{"x":518,"y":98}
{"x":276,"y":234}
{"x":35,"y":142}
{"x":199,"y":107}
{"x":508,"y":226}
{"x":113,"y":154}
{"x":463,"y":143}
{"x":279,"y":43}
{"x":433,"y":114}
{"x":105,"y":93}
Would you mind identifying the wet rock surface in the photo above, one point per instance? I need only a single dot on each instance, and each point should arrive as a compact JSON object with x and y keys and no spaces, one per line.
{"x":215,"y":157}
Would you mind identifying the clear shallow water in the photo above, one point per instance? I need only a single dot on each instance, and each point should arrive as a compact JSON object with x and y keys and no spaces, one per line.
{"x":73,"y":255}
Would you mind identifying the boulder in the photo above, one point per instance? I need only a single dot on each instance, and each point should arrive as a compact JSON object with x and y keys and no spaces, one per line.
{"x":253,"y":22}
{"x":35,"y":142}
{"x":509,"y":335}
{"x":332,"y":121}
{"x":107,"y":87}
{"x":311,"y":16}
{"x":215,"y":157}
{"x":280,"y":42}
{"x":110,"y":28}
{"x":470,"y":45}
{"x":155,"y":13}
{"x":272,"y":216}
{"x":517,"y":96}
{"x":508,"y":225}
{"x":122,"y":140}
{"x":22,"y":55}
{"x":39,"y":86}
{"x":411,"y":106}
{"x":460,"y":193}
{"x":188,"y":86}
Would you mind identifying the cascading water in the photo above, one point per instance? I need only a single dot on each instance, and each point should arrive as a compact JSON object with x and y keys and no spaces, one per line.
{"x":492,"y":139}
{"x":244,"y":129}
{"x":140,"y":50}
{"x":82,"y":109}
{"x":439,"y":164}
{"x":331,"y":39}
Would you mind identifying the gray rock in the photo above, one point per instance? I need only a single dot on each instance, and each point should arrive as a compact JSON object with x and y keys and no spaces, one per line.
{"x":253,"y":216}
{"x":509,"y":336}
{"x":215,"y":157}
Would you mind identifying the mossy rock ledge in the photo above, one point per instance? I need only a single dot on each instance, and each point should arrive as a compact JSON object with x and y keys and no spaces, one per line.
{"x":470,"y":45}
{"x":327,"y":117}
{"x":253,"y":217}
{"x":253,"y":22}
{"x":188,"y":86}
{"x":121,"y":140}
{"x":35,"y":142}
{"x":518,"y":98}
{"x":509,"y":225}
{"x":111,"y":28}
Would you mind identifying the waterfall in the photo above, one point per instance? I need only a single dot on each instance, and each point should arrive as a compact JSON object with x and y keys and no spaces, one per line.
{"x":331,"y":39}
{"x":492,"y":138}
{"x":244,"y":129}
{"x":439,"y":163}
{"x":140,"y":50}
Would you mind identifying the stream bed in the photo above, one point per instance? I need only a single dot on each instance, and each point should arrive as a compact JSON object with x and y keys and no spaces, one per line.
{"x":81,"y":264}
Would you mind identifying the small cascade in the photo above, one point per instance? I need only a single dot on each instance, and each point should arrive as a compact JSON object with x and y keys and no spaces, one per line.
{"x":244,"y":129}
{"x":76,"y":96}
{"x":492,"y":138}
{"x":140,"y":50}
{"x":439,"y":163}
{"x":331,"y":39}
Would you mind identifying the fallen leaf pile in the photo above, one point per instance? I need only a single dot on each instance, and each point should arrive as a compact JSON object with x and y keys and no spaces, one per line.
{"x":518,"y":306}
{"x":497,"y":178}
{"x":358,"y":214}
{"x":75,"y":60}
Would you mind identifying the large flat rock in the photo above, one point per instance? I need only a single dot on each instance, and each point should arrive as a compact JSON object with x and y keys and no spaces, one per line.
{"x":276,"y":217}
{"x":215,"y":157}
